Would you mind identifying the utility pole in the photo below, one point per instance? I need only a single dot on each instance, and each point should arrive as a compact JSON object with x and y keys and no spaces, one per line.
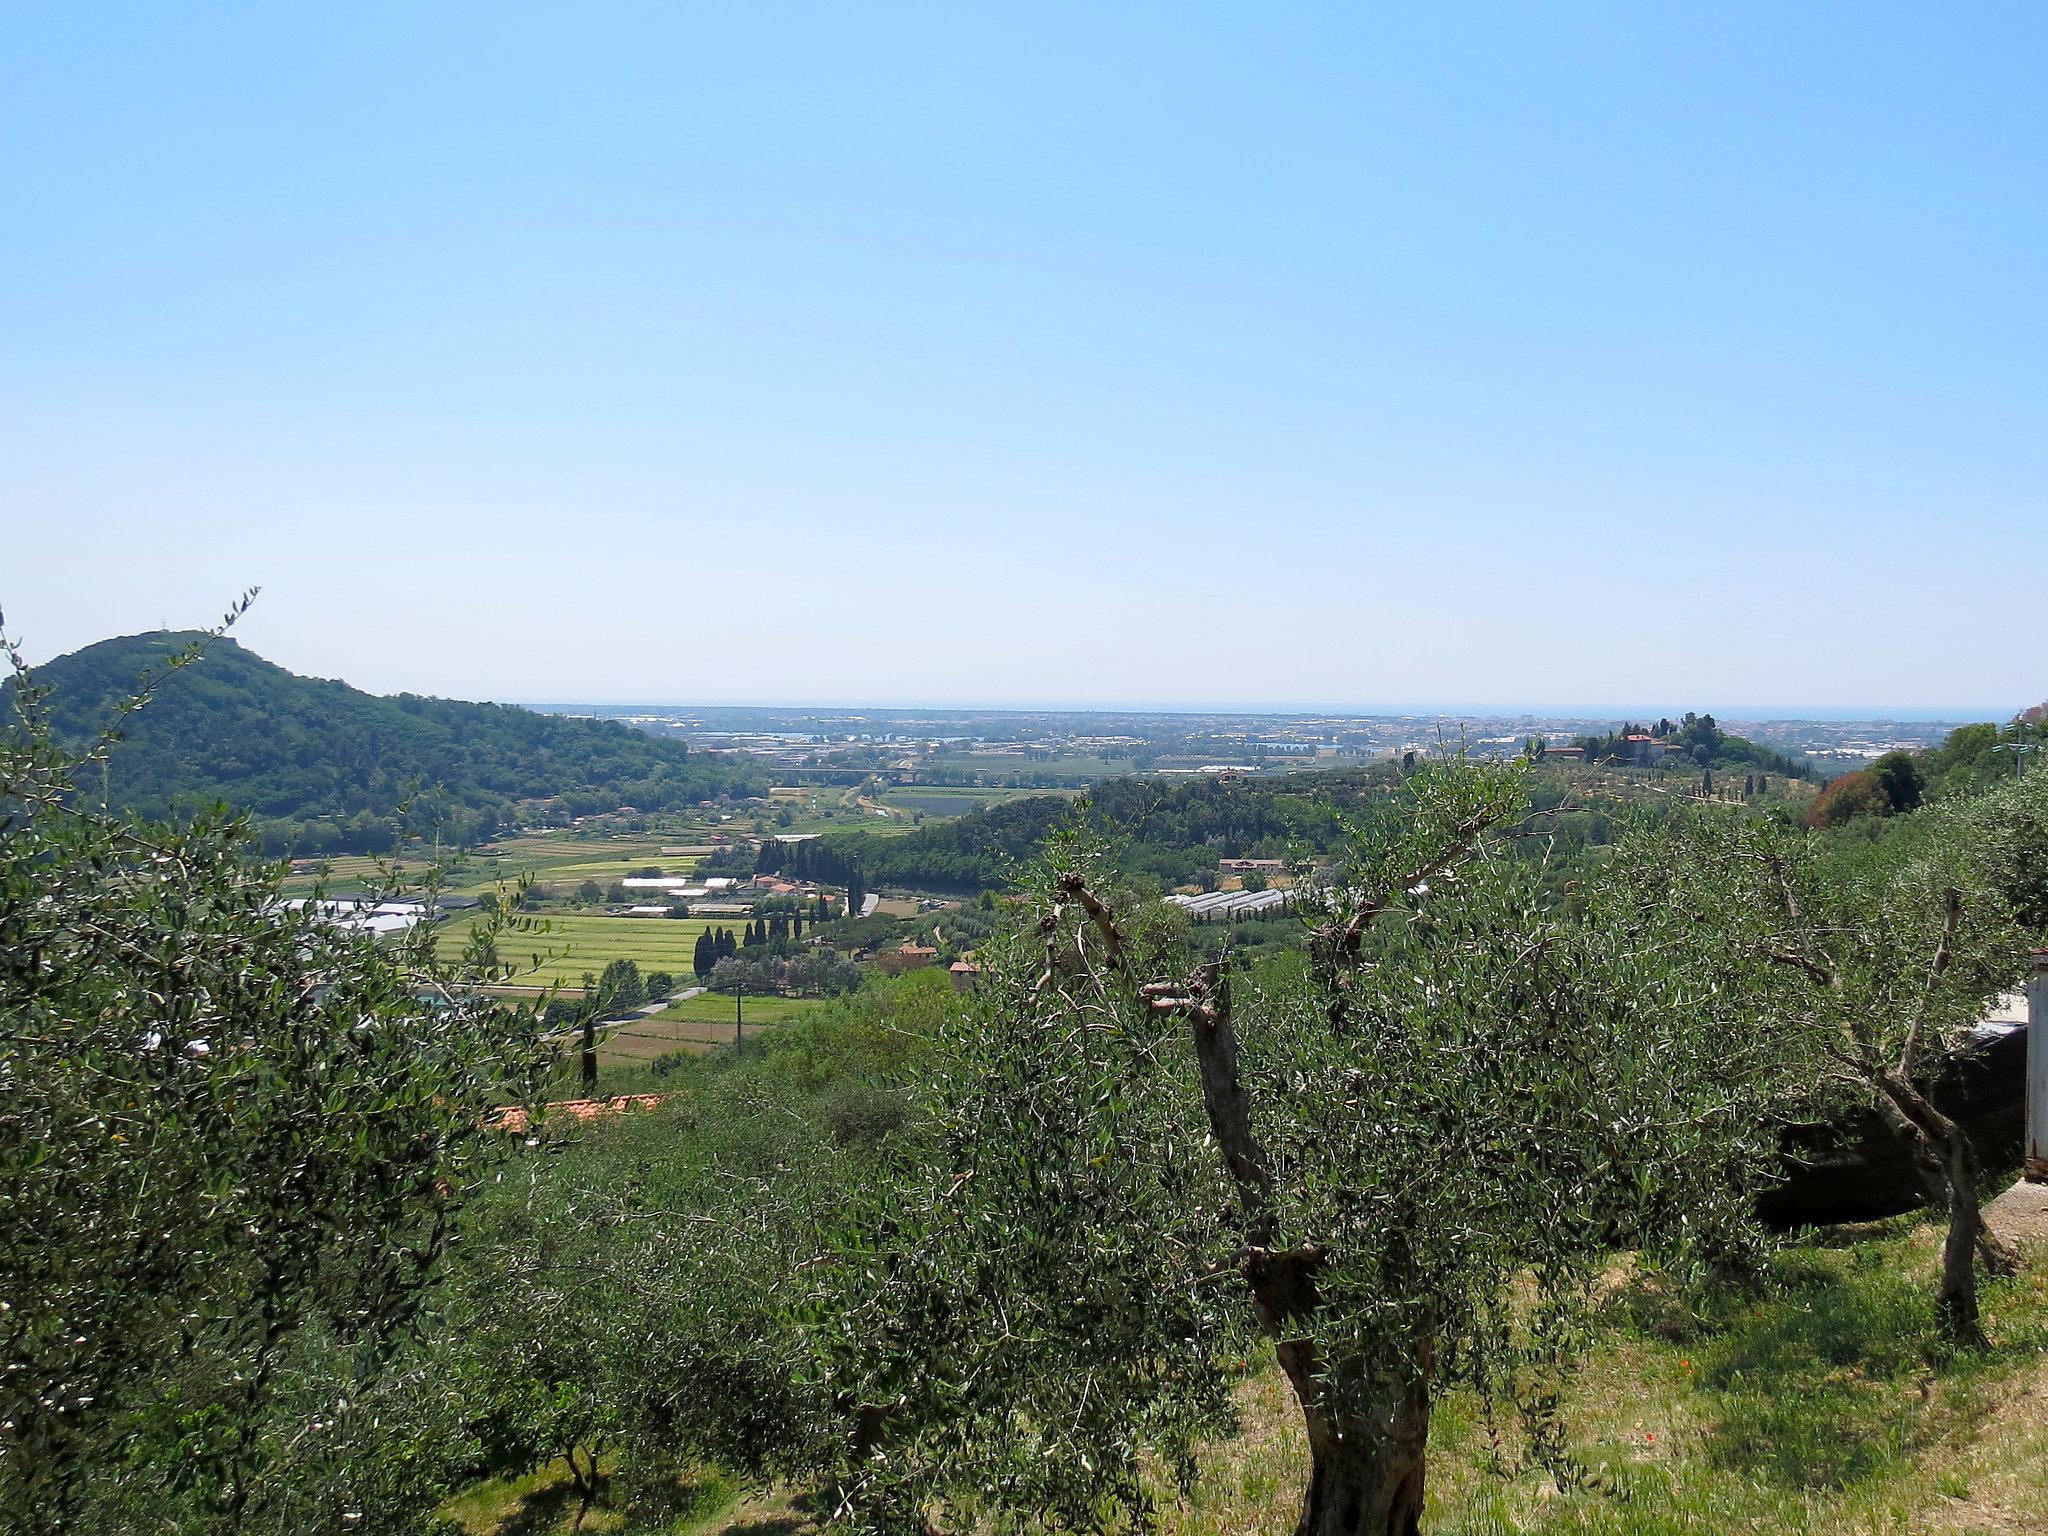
{"x":2037,"y":1071}
{"x":737,"y":991}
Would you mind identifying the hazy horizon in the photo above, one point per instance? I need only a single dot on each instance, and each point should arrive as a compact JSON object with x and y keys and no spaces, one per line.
{"x":1875,"y":713}
{"x":1906,"y":714}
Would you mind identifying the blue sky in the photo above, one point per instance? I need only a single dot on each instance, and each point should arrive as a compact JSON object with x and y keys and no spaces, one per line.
{"x":1689,"y":356}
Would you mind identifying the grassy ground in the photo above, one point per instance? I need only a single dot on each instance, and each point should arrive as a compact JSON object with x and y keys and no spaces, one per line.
{"x":1820,"y":1403}
{"x":564,"y":860}
{"x":695,"y":1024}
{"x":943,"y":801}
{"x":573,"y":945}
{"x":1823,"y":1405}
{"x":352,"y":872}
{"x":555,"y":858}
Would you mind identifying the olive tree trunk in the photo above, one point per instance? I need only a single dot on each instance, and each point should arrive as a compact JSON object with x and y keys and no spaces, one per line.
{"x":1368,"y":1438}
{"x":1367,"y":1454}
{"x":1943,"y":1150}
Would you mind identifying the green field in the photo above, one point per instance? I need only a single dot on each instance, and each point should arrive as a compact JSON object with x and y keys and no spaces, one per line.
{"x":943,"y":801}
{"x":570,"y":861}
{"x":555,"y":859}
{"x":696,"y":1024}
{"x":573,"y":945}
{"x":354,"y":872}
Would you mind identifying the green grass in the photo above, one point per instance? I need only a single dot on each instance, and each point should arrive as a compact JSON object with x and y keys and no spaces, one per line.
{"x":572,"y":945}
{"x":695,"y":1024}
{"x":713,"y":1007}
{"x":542,"y":1502}
{"x":565,"y":860}
{"x":1821,"y":1402}
{"x":943,"y":801}
{"x":551,"y":858}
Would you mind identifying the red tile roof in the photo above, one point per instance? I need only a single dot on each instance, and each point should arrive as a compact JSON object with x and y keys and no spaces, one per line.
{"x":516,"y":1119}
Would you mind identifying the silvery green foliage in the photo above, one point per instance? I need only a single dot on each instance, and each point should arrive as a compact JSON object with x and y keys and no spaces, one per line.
{"x":220,"y":1120}
{"x":1404,"y":1163}
{"x":1866,"y":969}
{"x":2005,"y":833}
{"x":1030,"y":1310}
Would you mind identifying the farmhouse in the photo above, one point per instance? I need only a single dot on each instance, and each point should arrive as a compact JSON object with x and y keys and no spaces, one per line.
{"x":906,"y":957}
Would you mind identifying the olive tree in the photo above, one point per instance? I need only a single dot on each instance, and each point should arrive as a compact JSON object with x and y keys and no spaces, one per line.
{"x":2005,"y":833}
{"x":221,"y":1119}
{"x":1870,"y":969}
{"x":1401,"y":1162}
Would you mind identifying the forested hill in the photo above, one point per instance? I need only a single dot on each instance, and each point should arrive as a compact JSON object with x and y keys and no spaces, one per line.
{"x":325,"y":768}
{"x":1172,"y":830}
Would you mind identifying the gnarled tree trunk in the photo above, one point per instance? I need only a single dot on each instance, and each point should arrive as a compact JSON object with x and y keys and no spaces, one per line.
{"x":1367,"y":1453}
{"x":1943,"y":1149}
{"x":1996,"y":1255}
{"x":1368,"y":1440}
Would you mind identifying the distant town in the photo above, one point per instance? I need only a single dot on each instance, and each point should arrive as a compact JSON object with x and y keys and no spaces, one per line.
{"x":1053,"y":749}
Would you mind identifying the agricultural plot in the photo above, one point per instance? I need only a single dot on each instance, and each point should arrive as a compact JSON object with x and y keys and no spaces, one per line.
{"x":696,"y":1024}
{"x":554,"y":859}
{"x":573,"y":945}
{"x":353,"y":872}
{"x":570,"y":861}
{"x":948,"y":800}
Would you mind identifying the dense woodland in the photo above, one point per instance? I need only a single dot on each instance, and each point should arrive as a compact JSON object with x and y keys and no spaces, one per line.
{"x":1172,"y":831}
{"x":322,"y":768}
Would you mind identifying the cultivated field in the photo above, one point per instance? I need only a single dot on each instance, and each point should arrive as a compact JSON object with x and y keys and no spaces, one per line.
{"x":948,"y":800}
{"x":554,"y":859}
{"x":563,"y":860}
{"x":353,"y":872}
{"x":573,"y":945}
{"x":696,"y":1024}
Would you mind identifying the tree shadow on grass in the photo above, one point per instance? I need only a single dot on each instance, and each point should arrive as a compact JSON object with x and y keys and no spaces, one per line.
{"x":1833,"y":1375}
{"x":547,"y":1509}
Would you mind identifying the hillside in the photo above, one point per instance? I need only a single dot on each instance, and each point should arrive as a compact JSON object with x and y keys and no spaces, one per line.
{"x":326,"y":768}
{"x":1696,"y":740}
{"x":1172,"y":830}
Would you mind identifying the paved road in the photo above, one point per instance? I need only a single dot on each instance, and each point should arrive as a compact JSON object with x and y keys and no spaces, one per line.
{"x":658,"y":1004}
{"x":2020,"y":1215}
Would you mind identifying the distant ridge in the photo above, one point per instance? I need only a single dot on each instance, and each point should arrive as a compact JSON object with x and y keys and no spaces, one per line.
{"x":325,"y":768}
